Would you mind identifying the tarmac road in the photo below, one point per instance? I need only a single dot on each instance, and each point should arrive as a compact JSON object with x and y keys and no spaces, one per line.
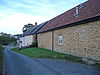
{"x":18,"y":64}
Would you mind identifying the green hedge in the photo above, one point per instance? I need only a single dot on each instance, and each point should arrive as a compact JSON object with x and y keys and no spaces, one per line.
{"x":1,"y":61}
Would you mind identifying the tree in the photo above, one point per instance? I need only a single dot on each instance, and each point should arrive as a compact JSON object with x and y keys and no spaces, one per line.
{"x":6,"y":39}
{"x":27,"y":27}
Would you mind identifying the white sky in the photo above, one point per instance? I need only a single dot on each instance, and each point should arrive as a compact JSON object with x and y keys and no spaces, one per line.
{"x":15,"y":14}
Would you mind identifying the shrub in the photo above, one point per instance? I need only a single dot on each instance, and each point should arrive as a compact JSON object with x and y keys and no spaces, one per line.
{"x":33,"y":45}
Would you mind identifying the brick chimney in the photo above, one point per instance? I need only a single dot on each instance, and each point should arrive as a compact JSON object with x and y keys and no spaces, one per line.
{"x":35,"y":23}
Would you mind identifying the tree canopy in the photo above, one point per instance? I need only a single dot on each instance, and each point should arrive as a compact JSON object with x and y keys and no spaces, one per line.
{"x":27,"y":27}
{"x":6,"y":39}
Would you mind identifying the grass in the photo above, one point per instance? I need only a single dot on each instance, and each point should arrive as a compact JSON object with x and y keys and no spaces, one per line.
{"x":97,"y":65}
{"x":1,"y":61}
{"x":45,"y":53}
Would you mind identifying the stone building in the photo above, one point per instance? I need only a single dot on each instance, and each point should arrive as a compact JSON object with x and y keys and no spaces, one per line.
{"x":30,"y":37}
{"x":75,"y":32}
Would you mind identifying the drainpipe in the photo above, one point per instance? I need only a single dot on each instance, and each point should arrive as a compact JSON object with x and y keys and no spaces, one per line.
{"x":52,"y":40}
{"x":36,"y":40}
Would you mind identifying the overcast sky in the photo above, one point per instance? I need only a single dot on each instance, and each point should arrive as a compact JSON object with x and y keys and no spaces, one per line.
{"x":14,"y":14}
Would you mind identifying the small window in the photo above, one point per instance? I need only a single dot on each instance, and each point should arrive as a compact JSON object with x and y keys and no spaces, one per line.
{"x":76,"y":12}
{"x":60,"y":40}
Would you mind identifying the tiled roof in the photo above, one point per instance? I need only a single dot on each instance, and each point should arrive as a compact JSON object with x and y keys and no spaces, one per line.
{"x":89,"y":9}
{"x":34,"y":29}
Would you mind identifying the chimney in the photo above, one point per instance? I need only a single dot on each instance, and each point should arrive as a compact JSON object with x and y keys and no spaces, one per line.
{"x":35,"y":23}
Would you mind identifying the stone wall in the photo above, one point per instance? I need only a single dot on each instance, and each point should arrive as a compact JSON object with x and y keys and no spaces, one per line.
{"x":82,"y":40}
{"x":34,"y":39}
{"x":70,"y":40}
{"x":28,"y":40}
{"x":45,"y":40}
{"x":89,"y":40}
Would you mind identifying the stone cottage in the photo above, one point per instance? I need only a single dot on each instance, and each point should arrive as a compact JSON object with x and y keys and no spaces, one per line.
{"x":30,"y":37}
{"x":75,"y":32}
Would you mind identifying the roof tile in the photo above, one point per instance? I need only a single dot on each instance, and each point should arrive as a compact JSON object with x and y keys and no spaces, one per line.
{"x":34,"y":29}
{"x":88,"y":9}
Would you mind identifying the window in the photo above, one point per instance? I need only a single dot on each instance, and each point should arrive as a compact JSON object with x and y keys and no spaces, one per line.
{"x":76,"y":12}
{"x":60,"y":40}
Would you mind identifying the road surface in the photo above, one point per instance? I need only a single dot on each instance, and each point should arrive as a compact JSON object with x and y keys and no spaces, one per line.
{"x":18,"y":64}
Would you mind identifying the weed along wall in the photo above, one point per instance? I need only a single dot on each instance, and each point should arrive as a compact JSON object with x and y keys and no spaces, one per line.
{"x":82,"y":40}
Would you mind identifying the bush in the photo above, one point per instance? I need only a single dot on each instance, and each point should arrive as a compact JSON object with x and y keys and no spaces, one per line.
{"x":33,"y":45}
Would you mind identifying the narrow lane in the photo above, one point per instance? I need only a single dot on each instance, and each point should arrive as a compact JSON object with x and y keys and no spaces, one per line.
{"x":18,"y":64}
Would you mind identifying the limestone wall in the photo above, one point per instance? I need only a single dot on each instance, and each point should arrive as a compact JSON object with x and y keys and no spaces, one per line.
{"x":45,"y":40}
{"x":89,"y":40}
{"x":82,"y":40}
{"x":70,"y":40}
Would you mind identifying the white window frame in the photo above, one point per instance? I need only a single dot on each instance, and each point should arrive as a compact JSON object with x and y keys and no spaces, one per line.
{"x":60,"y":39}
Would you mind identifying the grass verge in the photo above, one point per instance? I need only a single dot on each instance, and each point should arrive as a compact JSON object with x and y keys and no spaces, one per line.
{"x":45,"y":53}
{"x":1,"y":61}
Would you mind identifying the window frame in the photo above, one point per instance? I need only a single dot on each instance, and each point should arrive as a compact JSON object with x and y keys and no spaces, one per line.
{"x":60,"y":39}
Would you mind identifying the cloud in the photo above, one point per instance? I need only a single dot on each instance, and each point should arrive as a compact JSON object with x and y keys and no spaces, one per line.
{"x":14,"y":14}
{"x":46,"y":7}
{"x":14,"y":23}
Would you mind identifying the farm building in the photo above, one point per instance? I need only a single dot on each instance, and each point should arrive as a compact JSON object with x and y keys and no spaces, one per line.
{"x":75,"y":32}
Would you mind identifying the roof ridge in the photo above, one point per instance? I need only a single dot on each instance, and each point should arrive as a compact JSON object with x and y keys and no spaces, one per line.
{"x":88,"y":9}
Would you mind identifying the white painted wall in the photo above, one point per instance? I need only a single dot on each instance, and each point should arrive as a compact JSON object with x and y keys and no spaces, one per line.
{"x":28,"y":40}
{"x":21,"y":42}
